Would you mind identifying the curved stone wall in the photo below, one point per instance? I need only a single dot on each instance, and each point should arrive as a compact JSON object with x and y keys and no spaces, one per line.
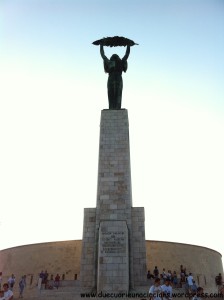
{"x":55,"y":257}
{"x":64,"y":258}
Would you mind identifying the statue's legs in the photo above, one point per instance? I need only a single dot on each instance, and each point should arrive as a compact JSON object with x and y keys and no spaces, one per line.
{"x":114,"y":89}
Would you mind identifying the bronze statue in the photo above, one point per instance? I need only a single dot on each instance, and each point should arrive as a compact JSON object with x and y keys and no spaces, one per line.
{"x":114,"y":67}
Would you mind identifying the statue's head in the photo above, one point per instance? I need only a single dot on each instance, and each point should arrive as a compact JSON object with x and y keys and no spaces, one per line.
{"x":115,"y":57}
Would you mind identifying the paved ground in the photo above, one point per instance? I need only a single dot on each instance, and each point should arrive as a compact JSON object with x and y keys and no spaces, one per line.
{"x":74,"y":293}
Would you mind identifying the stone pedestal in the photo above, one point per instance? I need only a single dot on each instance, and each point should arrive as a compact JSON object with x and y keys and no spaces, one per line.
{"x":114,"y":252}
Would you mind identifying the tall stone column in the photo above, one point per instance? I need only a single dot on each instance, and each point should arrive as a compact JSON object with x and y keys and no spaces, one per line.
{"x":114,"y":253}
{"x":114,"y":170}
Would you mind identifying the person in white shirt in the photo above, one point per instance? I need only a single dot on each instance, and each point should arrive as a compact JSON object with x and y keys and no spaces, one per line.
{"x":167,"y":289}
{"x":155,"y":291}
{"x":8,"y":294}
{"x":11,"y":281}
{"x":164,"y":274}
{"x":190,"y":281}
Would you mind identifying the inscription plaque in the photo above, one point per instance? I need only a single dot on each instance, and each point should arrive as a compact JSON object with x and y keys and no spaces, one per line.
{"x":113,"y":242}
{"x":113,"y":254}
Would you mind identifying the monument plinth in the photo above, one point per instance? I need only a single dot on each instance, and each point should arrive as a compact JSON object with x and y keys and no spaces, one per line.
{"x":114,"y":252}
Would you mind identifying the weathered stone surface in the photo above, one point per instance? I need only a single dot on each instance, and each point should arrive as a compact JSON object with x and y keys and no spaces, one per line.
{"x":113,"y":271}
{"x":115,"y":268}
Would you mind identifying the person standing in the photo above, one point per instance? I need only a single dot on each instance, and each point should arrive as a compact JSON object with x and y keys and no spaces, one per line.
{"x":175,"y":280}
{"x":167,"y":289}
{"x":194,"y":288}
{"x":56,"y":281}
{"x":156,"y":272}
{"x":218,"y":281}
{"x":45,"y":279}
{"x":22,"y":284}
{"x":164,"y":274}
{"x":11,"y":281}
{"x":190,"y":281}
{"x":41,"y":275}
{"x":155,"y":291}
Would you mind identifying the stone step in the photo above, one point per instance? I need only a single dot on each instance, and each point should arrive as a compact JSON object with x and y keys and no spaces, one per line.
{"x":73,"y":293}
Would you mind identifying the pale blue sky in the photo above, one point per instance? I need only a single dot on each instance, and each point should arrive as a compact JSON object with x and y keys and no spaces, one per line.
{"x":53,"y":88}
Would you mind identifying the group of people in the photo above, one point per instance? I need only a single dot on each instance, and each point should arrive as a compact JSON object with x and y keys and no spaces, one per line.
{"x":158,"y":291}
{"x":44,"y":277}
{"x":176,"y":280}
{"x":163,"y":291}
{"x":172,"y":279}
{"x":7,"y":292}
{"x":45,"y":281}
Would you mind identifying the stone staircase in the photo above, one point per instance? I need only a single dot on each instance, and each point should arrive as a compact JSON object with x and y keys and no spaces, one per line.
{"x":63,"y":293}
{"x":73,"y":292}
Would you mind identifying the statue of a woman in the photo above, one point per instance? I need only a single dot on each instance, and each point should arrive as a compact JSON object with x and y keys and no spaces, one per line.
{"x":115,"y":66}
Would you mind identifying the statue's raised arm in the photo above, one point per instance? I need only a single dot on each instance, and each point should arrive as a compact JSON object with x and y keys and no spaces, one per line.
{"x":102,"y":52}
{"x":127,"y":53}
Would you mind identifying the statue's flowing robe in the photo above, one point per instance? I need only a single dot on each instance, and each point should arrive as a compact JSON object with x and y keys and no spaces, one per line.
{"x":115,"y":66}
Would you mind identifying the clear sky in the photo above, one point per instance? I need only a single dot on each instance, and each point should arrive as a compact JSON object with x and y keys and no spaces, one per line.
{"x":53,"y":88}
